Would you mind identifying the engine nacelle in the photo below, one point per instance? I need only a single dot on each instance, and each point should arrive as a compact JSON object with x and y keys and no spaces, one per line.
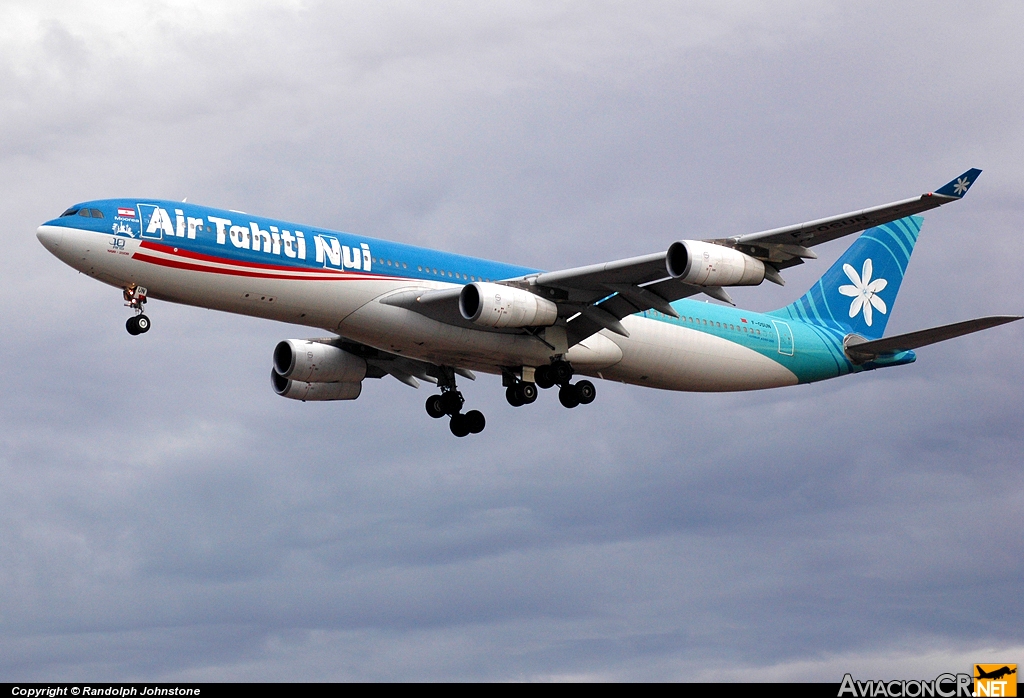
{"x":313,"y":362}
{"x":302,"y":390}
{"x":494,"y":305}
{"x":707,"y":264}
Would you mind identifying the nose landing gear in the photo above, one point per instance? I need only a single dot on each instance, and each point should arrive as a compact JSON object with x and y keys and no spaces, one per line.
{"x":450,"y":403}
{"x":137,"y":324}
{"x":135,"y":298}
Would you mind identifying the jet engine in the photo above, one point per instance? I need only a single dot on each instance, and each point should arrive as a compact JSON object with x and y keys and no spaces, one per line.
{"x":315,"y":362}
{"x":305,"y":370}
{"x":301,"y":390}
{"x":707,"y":264}
{"x":494,"y":305}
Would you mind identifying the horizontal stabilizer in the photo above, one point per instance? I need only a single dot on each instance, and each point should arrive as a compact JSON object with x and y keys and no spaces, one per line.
{"x":860,"y":350}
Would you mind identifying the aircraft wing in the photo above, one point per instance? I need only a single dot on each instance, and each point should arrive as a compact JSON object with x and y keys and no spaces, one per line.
{"x":788,"y":246}
{"x":598,"y":296}
{"x":402,"y":368}
{"x":861,"y":351}
{"x":603,"y":294}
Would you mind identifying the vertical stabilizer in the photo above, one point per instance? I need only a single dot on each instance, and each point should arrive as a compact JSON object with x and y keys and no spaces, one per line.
{"x":858,"y":292}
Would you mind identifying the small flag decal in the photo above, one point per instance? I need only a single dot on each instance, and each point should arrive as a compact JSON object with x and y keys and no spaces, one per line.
{"x":126,"y":212}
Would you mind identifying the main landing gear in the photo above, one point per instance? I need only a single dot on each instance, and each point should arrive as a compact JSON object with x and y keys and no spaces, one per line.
{"x":450,"y":403}
{"x":135,"y":298}
{"x":519,"y":393}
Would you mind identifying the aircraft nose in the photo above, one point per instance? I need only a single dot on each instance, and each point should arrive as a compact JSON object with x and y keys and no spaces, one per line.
{"x":50,"y":236}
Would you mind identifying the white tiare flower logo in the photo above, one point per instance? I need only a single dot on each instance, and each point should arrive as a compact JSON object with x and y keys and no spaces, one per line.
{"x":961,"y":186}
{"x":864,"y":291}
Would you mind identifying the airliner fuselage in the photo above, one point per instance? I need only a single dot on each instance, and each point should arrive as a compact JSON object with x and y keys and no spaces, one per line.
{"x":417,"y":313}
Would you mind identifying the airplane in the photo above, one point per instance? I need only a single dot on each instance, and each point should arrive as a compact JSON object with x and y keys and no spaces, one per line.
{"x":425,"y":315}
{"x":996,"y":674}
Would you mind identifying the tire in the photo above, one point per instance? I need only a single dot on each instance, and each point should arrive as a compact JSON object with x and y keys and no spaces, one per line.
{"x":563,"y":372}
{"x":475,"y":421}
{"x":512,"y":395}
{"x":458,"y":425}
{"x":586,"y":392}
{"x":142,"y":323}
{"x":568,"y":396}
{"x":527,"y":392}
{"x":545,"y":377}
{"x":132,"y":326}
{"x":451,"y":402}
{"x":434,"y":407}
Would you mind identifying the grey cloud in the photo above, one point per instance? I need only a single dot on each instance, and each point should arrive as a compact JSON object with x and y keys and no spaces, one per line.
{"x":163,"y":515}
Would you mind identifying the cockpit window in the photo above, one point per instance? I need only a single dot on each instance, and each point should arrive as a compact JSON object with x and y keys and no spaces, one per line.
{"x":69,"y":212}
{"x":96,"y":213}
{"x":84,"y":212}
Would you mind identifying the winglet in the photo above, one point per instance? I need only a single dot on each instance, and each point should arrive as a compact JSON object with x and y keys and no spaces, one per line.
{"x":959,"y":186}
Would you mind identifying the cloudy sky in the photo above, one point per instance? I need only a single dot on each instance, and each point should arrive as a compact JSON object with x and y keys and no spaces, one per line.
{"x":165,"y":516}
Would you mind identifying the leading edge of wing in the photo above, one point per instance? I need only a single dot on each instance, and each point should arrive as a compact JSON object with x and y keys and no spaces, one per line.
{"x":823,"y":230}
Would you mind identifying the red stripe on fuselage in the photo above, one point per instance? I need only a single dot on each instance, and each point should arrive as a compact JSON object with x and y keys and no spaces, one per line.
{"x":175,"y":264}
{"x":252,"y":269}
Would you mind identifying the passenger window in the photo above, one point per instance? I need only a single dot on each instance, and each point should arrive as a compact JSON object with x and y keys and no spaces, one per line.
{"x":96,"y":213}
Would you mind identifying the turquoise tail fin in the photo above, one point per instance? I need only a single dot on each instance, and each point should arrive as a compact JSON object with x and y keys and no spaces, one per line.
{"x":858,"y":292}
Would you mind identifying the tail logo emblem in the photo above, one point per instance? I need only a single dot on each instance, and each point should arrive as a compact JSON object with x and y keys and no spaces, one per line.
{"x":961,"y":186}
{"x":864,"y":291}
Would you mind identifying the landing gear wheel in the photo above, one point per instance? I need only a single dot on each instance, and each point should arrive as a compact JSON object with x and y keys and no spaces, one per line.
{"x":451,"y":402}
{"x":568,"y":396}
{"x":434,"y":408}
{"x":513,"y":397}
{"x":562,"y":371}
{"x":475,"y":421}
{"x":527,"y":392}
{"x":132,"y":325}
{"x":458,"y":425}
{"x":586,"y":392}
{"x":545,"y":377}
{"x":142,"y":323}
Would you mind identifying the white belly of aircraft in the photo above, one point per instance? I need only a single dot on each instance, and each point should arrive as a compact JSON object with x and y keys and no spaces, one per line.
{"x":667,"y":356}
